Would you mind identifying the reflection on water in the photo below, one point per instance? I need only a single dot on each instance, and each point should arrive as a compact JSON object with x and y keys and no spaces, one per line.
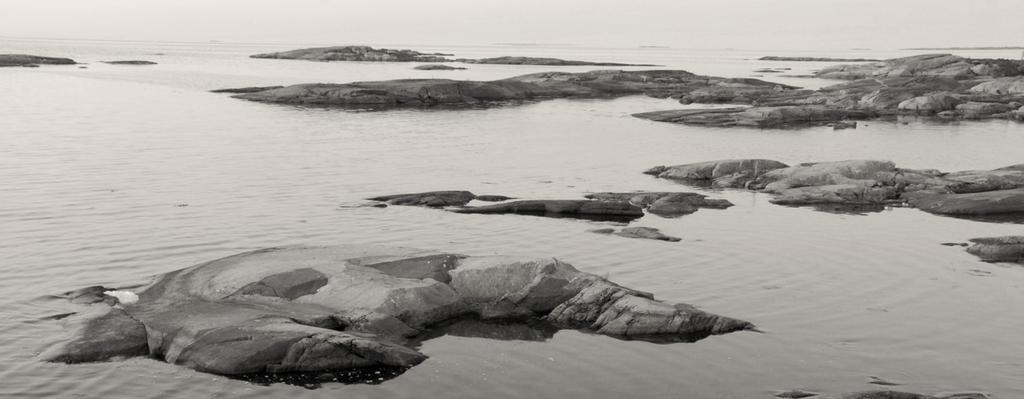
{"x":94,"y":162}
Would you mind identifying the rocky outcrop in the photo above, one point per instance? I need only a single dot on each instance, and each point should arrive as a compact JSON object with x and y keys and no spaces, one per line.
{"x":130,"y":62}
{"x":541,"y":61}
{"x":998,"y":249}
{"x":25,"y":60}
{"x":580,"y":209}
{"x":437,"y":67}
{"x":815,"y":59}
{"x":537,"y":86}
{"x":760,"y":117}
{"x":1001,"y":86}
{"x":354,"y":53}
{"x":325,"y":309}
{"x":864,"y":182}
{"x":732,"y":173}
{"x":666,"y":204}
{"x":649,"y":233}
{"x":431,"y":199}
{"x":933,"y":65}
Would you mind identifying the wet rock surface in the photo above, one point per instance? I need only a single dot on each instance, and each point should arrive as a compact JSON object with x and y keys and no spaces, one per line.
{"x":864,"y":182}
{"x":26,"y":60}
{"x":886,"y":395}
{"x":314,"y":310}
{"x":998,"y":249}
{"x":240,"y":90}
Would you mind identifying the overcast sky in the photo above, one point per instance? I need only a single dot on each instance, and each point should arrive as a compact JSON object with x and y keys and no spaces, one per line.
{"x":745,"y":24}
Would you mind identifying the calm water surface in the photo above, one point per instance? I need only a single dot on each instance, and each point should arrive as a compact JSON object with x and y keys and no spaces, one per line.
{"x":113,"y":174}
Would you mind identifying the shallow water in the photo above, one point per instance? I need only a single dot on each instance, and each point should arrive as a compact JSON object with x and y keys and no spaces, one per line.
{"x":115,"y":173}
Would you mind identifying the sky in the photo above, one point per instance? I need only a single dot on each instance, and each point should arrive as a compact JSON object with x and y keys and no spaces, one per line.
{"x":741,"y":24}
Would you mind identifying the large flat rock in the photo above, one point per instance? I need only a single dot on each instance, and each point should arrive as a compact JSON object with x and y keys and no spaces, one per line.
{"x":324,"y":309}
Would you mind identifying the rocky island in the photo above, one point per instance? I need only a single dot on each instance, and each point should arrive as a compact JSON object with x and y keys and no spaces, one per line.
{"x":354,"y":53}
{"x":437,"y":67}
{"x":863,"y":183}
{"x":130,"y":62}
{"x":541,"y":61}
{"x":944,"y":86}
{"x":25,"y":60}
{"x":329,"y":309}
{"x":815,"y":59}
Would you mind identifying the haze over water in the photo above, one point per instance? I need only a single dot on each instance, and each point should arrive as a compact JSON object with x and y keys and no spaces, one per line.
{"x":113,"y":174}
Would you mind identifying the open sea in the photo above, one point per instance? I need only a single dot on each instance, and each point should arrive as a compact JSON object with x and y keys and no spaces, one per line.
{"x":115,"y":173}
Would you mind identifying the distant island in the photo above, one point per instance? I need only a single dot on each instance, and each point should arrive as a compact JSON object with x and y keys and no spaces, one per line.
{"x":815,"y":59}
{"x":966,"y":48}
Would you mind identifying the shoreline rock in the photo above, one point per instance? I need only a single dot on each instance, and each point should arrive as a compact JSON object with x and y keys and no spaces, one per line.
{"x":242,"y":90}
{"x":649,"y":233}
{"x":998,"y":249}
{"x":579,"y":209}
{"x":325,"y":309}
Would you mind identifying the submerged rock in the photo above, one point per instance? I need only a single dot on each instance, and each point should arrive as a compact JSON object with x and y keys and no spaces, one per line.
{"x":354,"y":53}
{"x":437,"y":67}
{"x":324,"y":309}
{"x":649,"y":233}
{"x":998,"y":249}
{"x":25,"y":60}
{"x":130,"y":62}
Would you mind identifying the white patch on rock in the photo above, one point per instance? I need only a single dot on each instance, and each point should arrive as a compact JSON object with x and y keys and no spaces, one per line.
{"x":124,"y":297}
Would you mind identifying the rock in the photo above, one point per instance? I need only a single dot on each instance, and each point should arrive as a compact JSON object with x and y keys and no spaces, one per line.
{"x":760,"y":117}
{"x":766,"y":70}
{"x":25,"y":60}
{"x":979,"y":110}
{"x":930,"y":104}
{"x":541,"y":61}
{"x":646,"y":232}
{"x":816,"y":59}
{"x":665,"y":204}
{"x":998,"y":249}
{"x":607,"y":230}
{"x":537,"y":86}
{"x":865,"y":182}
{"x":968,"y":204}
{"x":432,"y":199}
{"x":795,"y":394}
{"x":437,"y":67}
{"x":935,"y":65}
{"x":130,"y":62}
{"x":320,"y":310}
{"x":734,"y":173}
{"x":841,"y":125}
{"x":1001,"y":86}
{"x":240,"y":90}
{"x":582,"y":209}
{"x":354,"y":53}
{"x":492,"y":198}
